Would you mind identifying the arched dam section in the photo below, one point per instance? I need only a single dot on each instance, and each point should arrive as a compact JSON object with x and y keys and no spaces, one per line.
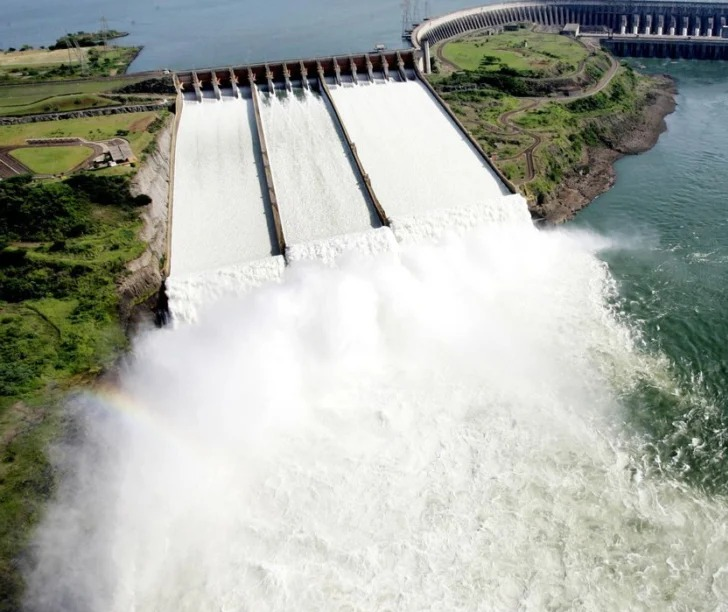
{"x":309,"y":159}
{"x":644,"y":28}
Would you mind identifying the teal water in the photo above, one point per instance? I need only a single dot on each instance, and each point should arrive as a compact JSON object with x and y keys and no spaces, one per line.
{"x":667,"y":223}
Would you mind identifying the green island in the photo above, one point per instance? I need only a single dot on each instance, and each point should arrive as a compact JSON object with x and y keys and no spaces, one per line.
{"x":551,"y":111}
{"x":69,"y":227}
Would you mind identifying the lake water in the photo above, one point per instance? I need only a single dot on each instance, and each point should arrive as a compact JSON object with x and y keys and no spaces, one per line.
{"x":181,"y":34}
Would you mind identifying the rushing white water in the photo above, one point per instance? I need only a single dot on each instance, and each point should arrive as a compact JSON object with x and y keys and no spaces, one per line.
{"x":218,"y":215}
{"x":437,"y":428}
{"x":190,"y":294}
{"x":319,"y":194}
{"x":432,"y":166}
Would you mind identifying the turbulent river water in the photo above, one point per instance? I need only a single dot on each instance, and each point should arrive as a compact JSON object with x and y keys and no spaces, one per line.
{"x":667,"y":223}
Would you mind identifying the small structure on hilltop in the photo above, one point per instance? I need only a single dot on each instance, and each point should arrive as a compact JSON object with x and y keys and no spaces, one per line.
{"x":571,"y":29}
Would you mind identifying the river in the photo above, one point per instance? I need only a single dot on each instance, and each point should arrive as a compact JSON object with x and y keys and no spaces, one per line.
{"x":667,"y":224}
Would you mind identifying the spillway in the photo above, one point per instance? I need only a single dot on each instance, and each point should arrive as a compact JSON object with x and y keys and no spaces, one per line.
{"x":418,"y":160}
{"x":319,"y":193}
{"x":219,"y":215}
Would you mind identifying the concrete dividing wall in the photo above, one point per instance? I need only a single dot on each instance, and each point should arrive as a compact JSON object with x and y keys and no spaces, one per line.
{"x":273,"y":200}
{"x":476,"y":145}
{"x":170,"y":198}
{"x":352,"y":147}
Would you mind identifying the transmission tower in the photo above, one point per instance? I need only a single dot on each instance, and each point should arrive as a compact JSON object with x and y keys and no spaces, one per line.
{"x":105,"y":32}
{"x":80,"y":55}
{"x":406,"y":16}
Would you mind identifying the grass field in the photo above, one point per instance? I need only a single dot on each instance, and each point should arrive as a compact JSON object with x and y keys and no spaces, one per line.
{"x":52,"y":160}
{"x":43,"y":64}
{"x":41,"y":57}
{"x":16,"y":99}
{"x":90,"y":128}
{"x":58,"y":104}
{"x":528,"y":52}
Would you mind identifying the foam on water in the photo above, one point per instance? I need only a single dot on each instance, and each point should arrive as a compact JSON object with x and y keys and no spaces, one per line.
{"x":433,"y":225}
{"x":416,"y":157}
{"x":219,"y":215}
{"x":437,"y":430}
{"x":189,"y":294}
{"x":331,"y":250}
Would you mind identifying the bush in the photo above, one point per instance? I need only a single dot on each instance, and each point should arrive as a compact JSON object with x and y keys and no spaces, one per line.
{"x":41,"y":211}
{"x":104,"y":190}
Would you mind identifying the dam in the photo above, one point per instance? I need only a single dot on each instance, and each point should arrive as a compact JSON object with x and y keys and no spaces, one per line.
{"x":309,"y":160}
{"x":644,"y":28}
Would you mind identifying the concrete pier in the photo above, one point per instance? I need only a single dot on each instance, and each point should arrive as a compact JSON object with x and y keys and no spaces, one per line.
{"x":198,"y":87}
{"x":428,"y":61}
{"x":266,"y":165}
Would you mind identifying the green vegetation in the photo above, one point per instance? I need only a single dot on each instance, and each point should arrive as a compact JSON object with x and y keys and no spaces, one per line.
{"x":62,"y":64}
{"x":515,"y":99}
{"x":87,"y":39}
{"x":24,"y":94}
{"x":137,"y":128}
{"x":524,"y":53}
{"x":26,"y":98}
{"x":52,"y":160}
{"x":63,"y":248}
{"x":59,"y":104}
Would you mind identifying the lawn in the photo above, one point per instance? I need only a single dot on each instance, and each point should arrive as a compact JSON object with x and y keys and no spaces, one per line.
{"x":522,"y":51}
{"x":58,"y":104}
{"x":43,"y":64}
{"x":52,"y":160}
{"x":41,"y":57}
{"x":90,"y":128}
{"x":14,"y":97}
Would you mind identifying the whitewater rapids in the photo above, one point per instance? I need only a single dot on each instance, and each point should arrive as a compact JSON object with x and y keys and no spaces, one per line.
{"x":434,"y":428}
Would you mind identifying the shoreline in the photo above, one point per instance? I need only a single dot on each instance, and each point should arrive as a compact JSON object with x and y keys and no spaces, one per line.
{"x":636,"y":133}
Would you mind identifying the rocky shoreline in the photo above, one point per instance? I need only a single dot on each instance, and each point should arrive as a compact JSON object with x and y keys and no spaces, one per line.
{"x":631,"y":134}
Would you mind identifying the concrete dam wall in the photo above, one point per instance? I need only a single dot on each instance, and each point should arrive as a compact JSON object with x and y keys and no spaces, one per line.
{"x":308,"y":160}
{"x":644,"y":28}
